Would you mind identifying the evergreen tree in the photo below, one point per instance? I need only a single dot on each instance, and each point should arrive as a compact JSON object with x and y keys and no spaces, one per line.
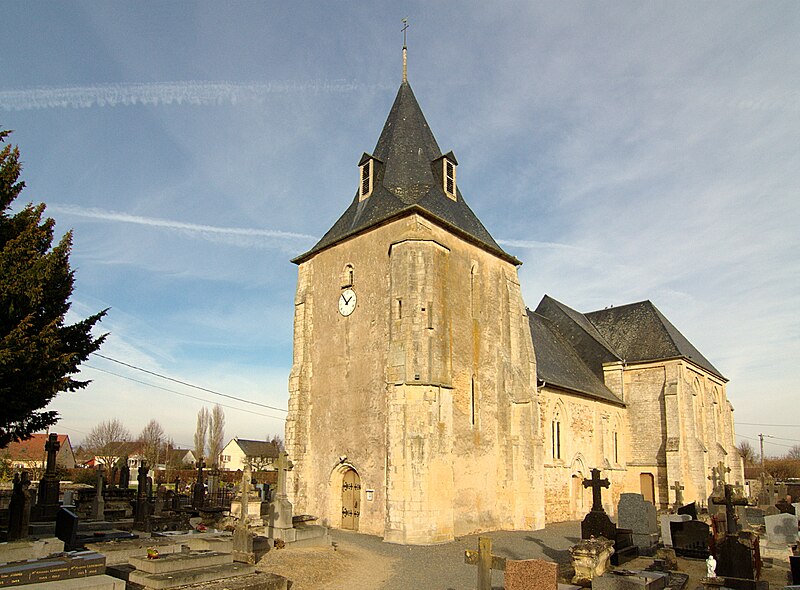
{"x":39,"y":354}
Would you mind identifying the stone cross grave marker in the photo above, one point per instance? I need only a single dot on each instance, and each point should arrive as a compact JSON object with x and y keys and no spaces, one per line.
{"x":242,"y":538}
{"x":98,"y":504}
{"x":678,"y":495}
{"x":199,"y":490}
{"x":141,"y":499}
{"x":284,"y":465}
{"x":731,"y":526}
{"x":47,"y":497}
{"x":485,"y":561}
{"x":19,"y":508}
{"x":596,"y":484}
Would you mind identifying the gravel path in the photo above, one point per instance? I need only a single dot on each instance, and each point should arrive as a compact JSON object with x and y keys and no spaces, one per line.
{"x":365,"y":562}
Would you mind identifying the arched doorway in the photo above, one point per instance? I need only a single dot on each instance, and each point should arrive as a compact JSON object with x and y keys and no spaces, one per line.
{"x":351,"y":500}
{"x":577,"y":496}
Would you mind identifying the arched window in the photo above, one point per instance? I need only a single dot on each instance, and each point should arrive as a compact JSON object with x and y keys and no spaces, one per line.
{"x":348,"y":276}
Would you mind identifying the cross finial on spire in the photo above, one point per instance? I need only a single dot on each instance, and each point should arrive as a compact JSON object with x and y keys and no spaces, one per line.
{"x":405,"y":61}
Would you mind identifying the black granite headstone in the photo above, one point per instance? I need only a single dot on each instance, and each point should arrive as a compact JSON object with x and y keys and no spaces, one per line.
{"x":690,"y":538}
{"x":67,"y":527}
{"x":19,"y":508}
{"x":690,"y":509}
{"x":734,"y":559}
{"x":794,"y":560}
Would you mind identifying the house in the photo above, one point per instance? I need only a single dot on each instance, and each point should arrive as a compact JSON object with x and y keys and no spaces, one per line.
{"x":30,"y":454}
{"x":261,"y":454}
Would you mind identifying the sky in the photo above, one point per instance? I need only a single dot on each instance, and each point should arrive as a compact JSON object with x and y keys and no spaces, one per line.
{"x":623,"y":151}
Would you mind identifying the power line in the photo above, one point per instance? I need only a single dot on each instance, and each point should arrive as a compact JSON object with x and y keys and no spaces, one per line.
{"x":767,"y":425}
{"x":178,"y":392}
{"x":160,"y":376}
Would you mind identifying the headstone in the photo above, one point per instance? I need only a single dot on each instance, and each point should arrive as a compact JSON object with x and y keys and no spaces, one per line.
{"x":98,"y":504}
{"x":48,"y":572}
{"x":69,"y":498}
{"x":19,"y":508}
{"x":796,"y":508}
{"x":785,"y":506}
{"x":483,"y":558}
{"x":638,"y":515}
{"x":124,"y":474}
{"x":666,"y":531}
{"x":199,"y":490}
{"x":690,"y":538}
{"x":781,"y":529}
{"x":280,"y":509}
{"x":48,"y":492}
{"x":141,"y":516}
{"x":67,"y":527}
{"x":590,"y":559}
{"x":690,"y":509}
{"x":766,"y":494}
{"x":794,"y":562}
{"x":754,"y":516}
{"x":530,"y":573}
{"x":734,"y":559}
{"x":729,"y":501}
{"x":678,"y":489}
{"x":242,"y":537}
{"x":596,"y":523}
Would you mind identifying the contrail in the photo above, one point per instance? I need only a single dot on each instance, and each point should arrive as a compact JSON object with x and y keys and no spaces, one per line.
{"x":192,"y":92}
{"x":93,"y":213}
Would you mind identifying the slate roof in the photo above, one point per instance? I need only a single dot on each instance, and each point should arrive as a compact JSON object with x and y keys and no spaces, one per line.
{"x":257,"y":448}
{"x":572,"y":347}
{"x":558,"y":363}
{"x":639,"y":332}
{"x":406,"y":184}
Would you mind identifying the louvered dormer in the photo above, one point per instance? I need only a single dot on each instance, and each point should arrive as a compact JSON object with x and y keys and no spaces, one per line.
{"x":368,"y":171}
{"x":445,"y":169}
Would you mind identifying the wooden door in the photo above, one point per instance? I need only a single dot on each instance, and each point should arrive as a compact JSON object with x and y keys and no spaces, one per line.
{"x":648,"y":487}
{"x":351,"y":500}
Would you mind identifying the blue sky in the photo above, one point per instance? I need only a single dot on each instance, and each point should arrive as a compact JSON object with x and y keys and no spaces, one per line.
{"x":622,"y":151}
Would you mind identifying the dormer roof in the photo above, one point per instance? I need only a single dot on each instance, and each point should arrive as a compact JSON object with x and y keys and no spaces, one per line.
{"x":407,"y":149}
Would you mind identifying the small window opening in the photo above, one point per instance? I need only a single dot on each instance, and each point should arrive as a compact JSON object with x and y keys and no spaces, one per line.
{"x":556,"y":426}
{"x":366,"y":180}
{"x":399,"y":309}
{"x":449,"y":178}
{"x":616,"y":448}
{"x":348,"y":276}
{"x":472,"y":403}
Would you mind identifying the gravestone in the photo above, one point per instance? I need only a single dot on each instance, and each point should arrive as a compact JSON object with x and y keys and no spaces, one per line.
{"x":796,"y":508}
{"x":280,"y":509}
{"x":690,"y":538}
{"x":48,"y":492}
{"x":524,"y":574}
{"x":678,"y":489}
{"x":19,"y":508}
{"x":754,"y":516}
{"x":735,"y":560}
{"x":690,"y":509}
{"x":242,"y":537}
{"x":794,"y":563}
{"x":124,"y":474}
{"x":785,"y":506}
{"x":49,"y":571}
{"x":596,"y":523}
{"x":98,"y":503}
{"x":590,"y":559}
{"x":666,"y":531}
{"x":67,"y":528}
{"x":766,"y":493}
{"x":730,"y":502}
{"x":781,"y":529}
{"x":717,"y":479}
{"x":142,"y":505}
{"x":199,"y":490}
{"x":638,"y":515}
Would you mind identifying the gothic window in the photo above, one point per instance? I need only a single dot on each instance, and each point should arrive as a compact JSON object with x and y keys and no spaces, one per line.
{"x":556,"y":435}
{"x":449,"y":178}
{"x":367,"y":174}
{"x":348,"y":276}
{"x":616,"y":447}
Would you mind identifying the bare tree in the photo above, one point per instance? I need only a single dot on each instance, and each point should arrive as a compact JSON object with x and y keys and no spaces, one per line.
{"x":216,"y":434}
{"x":152,"y":440}
{"x":200,"y":434}
{"x":748,"y":452}
{"x":277,"y":440}
{"x":793,"y":454}
{"x":107,"y":440}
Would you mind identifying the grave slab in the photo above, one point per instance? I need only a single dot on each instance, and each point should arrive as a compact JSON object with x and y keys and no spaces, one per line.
{"x":690,"y":538}
{"x":624,"y":580}
{"x":101,"y":582}
{"x":177,"y":562}
{"x":30,"y":549}
{"x":77,"y":564}
{"x":193,"y":576}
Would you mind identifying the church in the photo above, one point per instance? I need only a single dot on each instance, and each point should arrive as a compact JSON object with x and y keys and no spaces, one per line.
{"x":426,"y":401}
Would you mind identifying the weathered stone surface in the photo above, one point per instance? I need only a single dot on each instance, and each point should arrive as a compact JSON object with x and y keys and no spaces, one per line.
{"x":530,"y":573}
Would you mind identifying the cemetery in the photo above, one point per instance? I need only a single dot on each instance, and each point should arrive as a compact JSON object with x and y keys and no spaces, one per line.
{"x":166,"y":538}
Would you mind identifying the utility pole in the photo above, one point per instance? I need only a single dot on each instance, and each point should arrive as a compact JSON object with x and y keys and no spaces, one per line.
{"x":761,"y":439}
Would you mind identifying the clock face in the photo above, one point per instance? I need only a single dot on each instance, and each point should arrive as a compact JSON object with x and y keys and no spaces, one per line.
{"x":347,"y":302}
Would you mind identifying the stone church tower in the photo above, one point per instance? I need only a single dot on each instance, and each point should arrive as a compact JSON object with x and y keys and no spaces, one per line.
{"x":413,"y":408}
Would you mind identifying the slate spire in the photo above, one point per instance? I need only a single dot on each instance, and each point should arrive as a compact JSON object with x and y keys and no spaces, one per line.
{"x":407,"y":159}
